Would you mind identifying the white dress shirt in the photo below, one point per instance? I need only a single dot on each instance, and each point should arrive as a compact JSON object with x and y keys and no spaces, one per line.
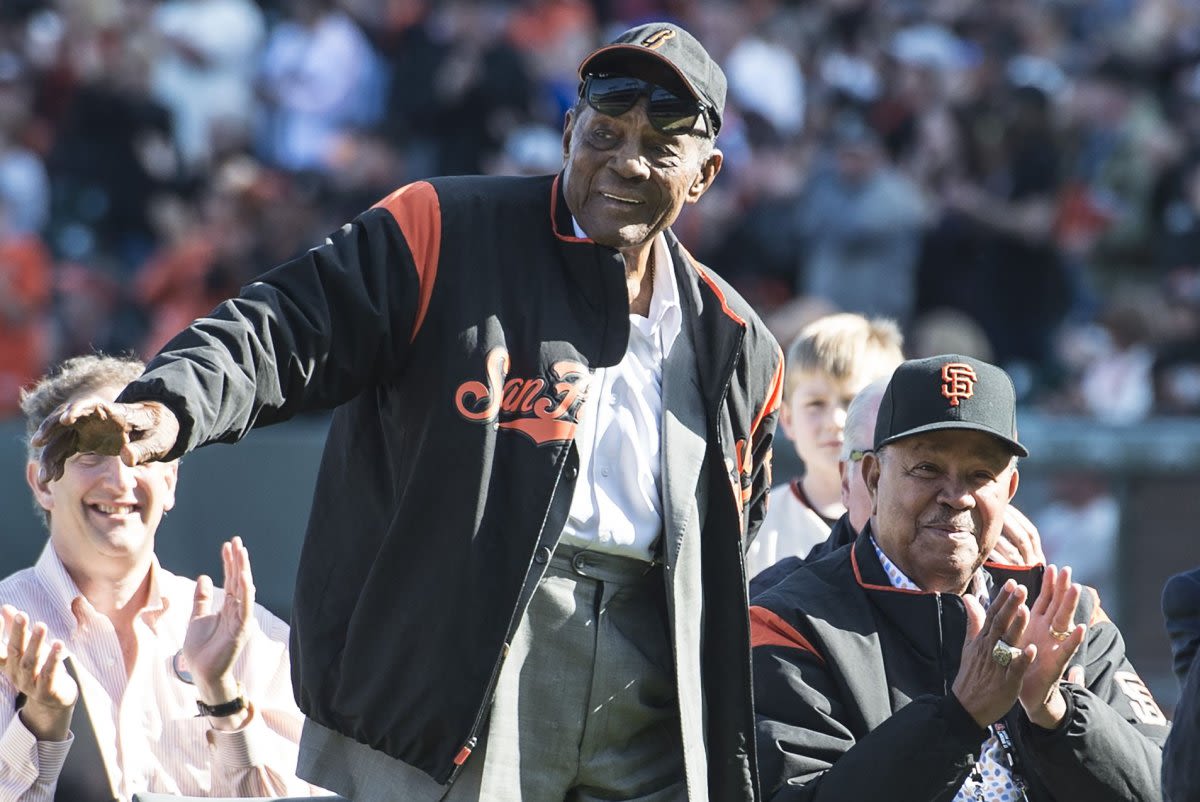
{"x":617,"y":506}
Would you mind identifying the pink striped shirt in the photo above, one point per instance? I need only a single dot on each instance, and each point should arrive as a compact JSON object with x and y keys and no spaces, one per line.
{"x":146,"y":725}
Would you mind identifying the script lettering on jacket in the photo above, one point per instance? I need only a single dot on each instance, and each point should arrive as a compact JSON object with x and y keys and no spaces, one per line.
{"x":545,"y":412}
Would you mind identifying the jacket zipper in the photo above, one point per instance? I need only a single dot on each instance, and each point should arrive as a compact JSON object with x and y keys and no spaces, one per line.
{"x":941,"y":647}
{"x":472,"y":741}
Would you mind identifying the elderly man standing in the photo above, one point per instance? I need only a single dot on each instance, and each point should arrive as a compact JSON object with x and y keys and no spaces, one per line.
{"x":878,"y":673}
{"x":522,"y":577}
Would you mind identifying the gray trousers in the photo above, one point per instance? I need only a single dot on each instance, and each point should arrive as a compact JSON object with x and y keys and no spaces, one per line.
{"x":585,"y":706}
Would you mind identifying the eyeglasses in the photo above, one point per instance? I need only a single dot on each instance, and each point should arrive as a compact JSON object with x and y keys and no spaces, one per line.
{"x":670,"y":114}
{"x":856,"y":454}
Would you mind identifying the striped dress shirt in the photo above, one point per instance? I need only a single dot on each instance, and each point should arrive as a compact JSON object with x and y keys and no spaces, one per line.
{"x":146,"y":722}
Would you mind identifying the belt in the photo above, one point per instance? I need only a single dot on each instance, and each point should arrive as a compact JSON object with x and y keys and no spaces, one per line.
{"x":601,"y":565}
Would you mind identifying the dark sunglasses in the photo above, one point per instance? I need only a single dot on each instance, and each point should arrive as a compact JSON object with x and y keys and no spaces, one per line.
{"x":613,"y":95}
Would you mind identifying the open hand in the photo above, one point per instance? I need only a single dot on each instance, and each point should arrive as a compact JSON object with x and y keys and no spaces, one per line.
{"x":985,"y":688}
{"x":35,"y":668}
{"x":214,"y":639}
{"x":138,"y":432}
{"x":1019,"y":543}
{"x":1052,"y":632}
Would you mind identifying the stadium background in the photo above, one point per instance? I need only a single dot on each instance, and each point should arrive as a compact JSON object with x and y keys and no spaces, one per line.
{"x":1017,"y":180}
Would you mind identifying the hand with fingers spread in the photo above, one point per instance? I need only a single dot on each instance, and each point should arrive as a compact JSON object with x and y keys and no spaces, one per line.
{"x":138,"y":432}
{"x":1055,"y":636}
{"x":988,"y":679}
{"x":215,"y":638}
{"x":34,"y":664}
{"x":1019,"y":543}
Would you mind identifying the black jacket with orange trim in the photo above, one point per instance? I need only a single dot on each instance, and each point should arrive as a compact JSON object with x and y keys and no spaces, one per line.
{"x":454,"y":328}
{"x":852,"y":695}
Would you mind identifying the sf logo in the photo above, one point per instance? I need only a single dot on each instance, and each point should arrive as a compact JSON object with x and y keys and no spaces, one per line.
{"x":958,"y":381}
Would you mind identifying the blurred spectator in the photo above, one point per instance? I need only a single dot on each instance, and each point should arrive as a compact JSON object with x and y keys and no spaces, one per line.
{"x":320,"y":78}
{"x":1080,"y":528}
{"x":25,"y":283}
{"x":860,"y":224}
{"x":209,"y":253}
{"x":1117,"y":386}
{"x":1176,"y":368}
{"x":948,"y":331}
{"x":24,"y":185}
{"x":113,"y":152}
{"x":204,"y":72}
{"x":1003,"y":214}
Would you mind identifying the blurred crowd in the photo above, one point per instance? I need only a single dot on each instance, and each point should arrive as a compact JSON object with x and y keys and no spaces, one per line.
{"x":1016,"y":179}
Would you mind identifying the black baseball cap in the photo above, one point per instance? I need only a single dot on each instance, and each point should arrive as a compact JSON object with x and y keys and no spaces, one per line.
{"x":658,"y":45}
{"x":950,"y":391}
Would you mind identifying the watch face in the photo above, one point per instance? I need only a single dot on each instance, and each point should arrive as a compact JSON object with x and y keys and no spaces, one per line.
{"x":179,"y":664}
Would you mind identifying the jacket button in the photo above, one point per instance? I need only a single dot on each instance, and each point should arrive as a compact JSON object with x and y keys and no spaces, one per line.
{"x":543,"y":555}
{"x":571,"y":472}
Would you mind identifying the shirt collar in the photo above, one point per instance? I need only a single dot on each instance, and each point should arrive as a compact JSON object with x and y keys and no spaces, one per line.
{"x":981,"y":582}
{"x":73,"y":607}
{"x":665,"y":315}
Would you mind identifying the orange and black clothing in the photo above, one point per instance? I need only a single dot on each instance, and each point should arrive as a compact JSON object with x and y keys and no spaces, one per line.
{"x":852,"y":694}
{"x":454,"y":327}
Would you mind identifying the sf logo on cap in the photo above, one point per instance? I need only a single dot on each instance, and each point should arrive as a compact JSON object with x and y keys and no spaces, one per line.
{"x":658,"y":38}
{"x":958,"y":381}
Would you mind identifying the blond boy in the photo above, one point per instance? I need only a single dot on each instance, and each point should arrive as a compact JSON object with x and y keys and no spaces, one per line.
{"x":832,"y":359}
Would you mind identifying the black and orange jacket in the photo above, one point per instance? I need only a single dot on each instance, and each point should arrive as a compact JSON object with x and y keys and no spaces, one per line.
{"x":852,"y":683}
{"x":454,"y":327}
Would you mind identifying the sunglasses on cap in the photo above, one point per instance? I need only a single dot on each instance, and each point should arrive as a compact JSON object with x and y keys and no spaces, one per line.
{"x":613,"y":95}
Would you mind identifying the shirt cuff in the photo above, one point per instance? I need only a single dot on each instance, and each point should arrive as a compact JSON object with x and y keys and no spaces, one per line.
{"x":242,"y":748}
{"x":29,"y":758}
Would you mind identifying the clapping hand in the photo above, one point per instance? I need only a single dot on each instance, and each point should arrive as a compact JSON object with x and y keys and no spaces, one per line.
{"x":35,"y":668}
{"x":1055,"y":637}
{"x":992,"y":671}
{"x":138,"y":432}
{"x":215,"y":638}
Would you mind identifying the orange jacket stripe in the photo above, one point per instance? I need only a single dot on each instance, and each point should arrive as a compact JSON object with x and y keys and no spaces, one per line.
{"x":774,"y":395}
{"x":553,"y":208}
{"x":418,"y":212}
{"x":712,"y":285}
{"x":871,"y":586}
{"x":768,"y":629}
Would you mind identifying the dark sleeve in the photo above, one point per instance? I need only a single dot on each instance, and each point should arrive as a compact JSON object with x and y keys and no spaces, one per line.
{"x":808,"y":749}
{"x":1181,"y":758}
{"x":1181,"y":610}
{"x":310,"y":334}
{"x":762,"y":438}
{"x":772,"y":575}
{"x":1109,"y":746}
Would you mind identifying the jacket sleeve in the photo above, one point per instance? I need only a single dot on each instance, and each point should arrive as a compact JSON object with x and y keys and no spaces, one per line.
{"x":1181,"y":610}
{"x":309,"y":334}
{"x":762,"y":438}
{"x":810,"y":741}
{"x":1109,"y":746}
{"x":1181,"y":758}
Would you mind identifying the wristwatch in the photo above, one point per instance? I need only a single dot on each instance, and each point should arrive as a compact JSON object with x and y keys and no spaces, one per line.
{"x":234,"y":705}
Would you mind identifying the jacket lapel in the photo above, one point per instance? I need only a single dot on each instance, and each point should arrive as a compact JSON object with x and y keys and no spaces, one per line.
{"x":684,"y":444}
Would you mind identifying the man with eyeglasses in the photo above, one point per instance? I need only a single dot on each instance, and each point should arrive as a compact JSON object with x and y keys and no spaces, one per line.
{"x":522,"y":577}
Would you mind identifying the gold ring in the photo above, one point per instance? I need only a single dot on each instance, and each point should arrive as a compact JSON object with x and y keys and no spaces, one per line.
{"x":1003,"y":654}
{"x":1059,"y":636}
